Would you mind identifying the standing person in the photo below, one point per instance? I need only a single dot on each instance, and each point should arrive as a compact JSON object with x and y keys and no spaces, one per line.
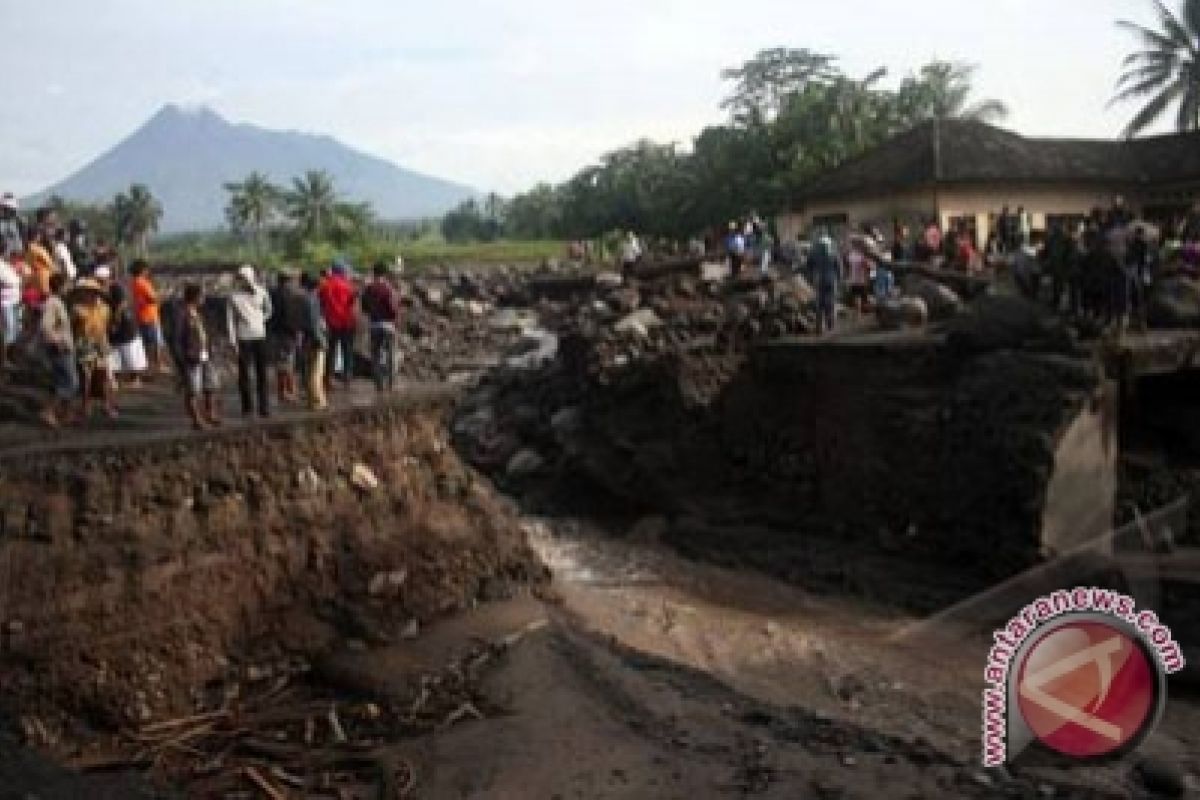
{"x":64,"y":262}
{"x":58,"y":341}
{"x":148,"y":311}
{"x":199,"y":373}
{"x":338,"y":299}
{"x":735,"y":246}
{"x":10,"y":309}
{"x":316,"y":345}
{"x":631,"y":252}
{"x":77,"y":241}
{"x":826,"y":268}
{"x":290,"y":306}
{"x":884,"y":283}
{"x":382,"y":308}
{"x":41,"y":267}
{"x":1004,"y":230}
{"x":765,"y":244}
{"x":1024,"y":223}
{"x":901,"y":250}
{"x":857,"y":267}
{"x":1138,"y":268}
{"x":248,"y":311}
{"x":12,"y":236}
{"x":92,"y":349}
{"x":129,"y":353}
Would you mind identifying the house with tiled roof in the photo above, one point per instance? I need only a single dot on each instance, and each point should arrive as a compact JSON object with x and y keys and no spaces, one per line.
{"x":954,"y":170}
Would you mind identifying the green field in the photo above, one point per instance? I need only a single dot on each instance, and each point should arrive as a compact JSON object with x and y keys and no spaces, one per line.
{"x":425,"y":252}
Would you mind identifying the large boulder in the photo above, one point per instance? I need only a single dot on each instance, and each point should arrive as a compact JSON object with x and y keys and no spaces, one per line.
{"x":1174,"y":303}
{"x":905,"y":312}
{"x":941,"y":301}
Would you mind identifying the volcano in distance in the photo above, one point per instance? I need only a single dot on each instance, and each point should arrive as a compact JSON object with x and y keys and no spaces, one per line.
{"x":187,"y":155}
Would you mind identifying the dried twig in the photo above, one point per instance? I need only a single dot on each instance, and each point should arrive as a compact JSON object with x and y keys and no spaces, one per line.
{"x":263,"y":784}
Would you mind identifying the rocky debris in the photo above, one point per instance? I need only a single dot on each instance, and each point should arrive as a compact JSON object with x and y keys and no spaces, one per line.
{"x":362,"y":478}
{"x":1174,"y":303}
{"x":639,"y":323}
{"x":1160,"y":778}
{"x":940,"y":300}
{"x":999,"y":322}
{"x":524,"y":464}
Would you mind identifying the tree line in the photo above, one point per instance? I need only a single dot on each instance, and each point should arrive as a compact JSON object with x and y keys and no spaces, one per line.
{"x":309,"y":211}
{"x":128,"y":220}
{"x":792,"y":113}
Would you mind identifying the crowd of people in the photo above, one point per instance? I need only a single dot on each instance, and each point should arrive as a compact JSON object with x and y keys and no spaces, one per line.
{"x":1100,"y":267}
{"x":99,"y":329}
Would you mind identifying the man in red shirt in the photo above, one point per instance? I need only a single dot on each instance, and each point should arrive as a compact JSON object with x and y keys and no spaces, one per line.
{"x":338,"y":305}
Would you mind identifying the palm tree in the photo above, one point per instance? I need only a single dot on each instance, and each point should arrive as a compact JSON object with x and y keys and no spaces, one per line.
{"x":137,"y":214}
{"x":253,"y":205}
{"x":1167,"y":71}
{"x":942,"y":90}
{"x":312,"y":203}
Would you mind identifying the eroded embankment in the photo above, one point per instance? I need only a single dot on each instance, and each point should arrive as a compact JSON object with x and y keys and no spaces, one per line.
{"x":132,"y":577}
{"x":915,"y":469}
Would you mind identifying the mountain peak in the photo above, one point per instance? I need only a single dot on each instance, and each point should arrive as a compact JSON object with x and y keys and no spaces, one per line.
{"x":187,"y":113}
{"x":186,"y":153}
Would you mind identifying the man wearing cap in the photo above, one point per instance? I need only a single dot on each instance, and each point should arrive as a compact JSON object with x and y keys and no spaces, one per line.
{"x":338,"y":305}
{"x":248,"y":311}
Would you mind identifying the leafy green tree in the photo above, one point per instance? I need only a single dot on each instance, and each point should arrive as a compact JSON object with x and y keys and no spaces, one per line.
{"x":465,"y":223}
{"x":254,"y":203}
{"x":536,"y":214}
{"x":1166,"y":72}
{"x":762,"y":83}
{"x":98,"y":217}
{"x":351,"y":222}
{"x":136,"y":215}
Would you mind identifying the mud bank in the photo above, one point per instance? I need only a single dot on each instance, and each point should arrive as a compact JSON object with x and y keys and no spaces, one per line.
{"x":135,"y":576}
{"x":841,"y":463}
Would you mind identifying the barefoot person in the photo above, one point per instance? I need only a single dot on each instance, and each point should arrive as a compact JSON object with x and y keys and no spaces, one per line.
{"x":58,"y":342}
{"x":200,"y":377}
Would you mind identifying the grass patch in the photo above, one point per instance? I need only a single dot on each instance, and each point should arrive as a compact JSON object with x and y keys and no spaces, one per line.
{"x":421,"y":253}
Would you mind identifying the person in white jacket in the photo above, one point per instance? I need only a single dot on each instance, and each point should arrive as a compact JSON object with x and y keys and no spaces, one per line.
{"x":248,"y":311}
{"x":10,"y":309}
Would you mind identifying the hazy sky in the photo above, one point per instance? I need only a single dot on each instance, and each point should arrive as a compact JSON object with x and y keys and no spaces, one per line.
{"x":499,"y":94}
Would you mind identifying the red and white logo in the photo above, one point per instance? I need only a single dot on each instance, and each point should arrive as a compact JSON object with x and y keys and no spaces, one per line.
{"x":1088,"y":688}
